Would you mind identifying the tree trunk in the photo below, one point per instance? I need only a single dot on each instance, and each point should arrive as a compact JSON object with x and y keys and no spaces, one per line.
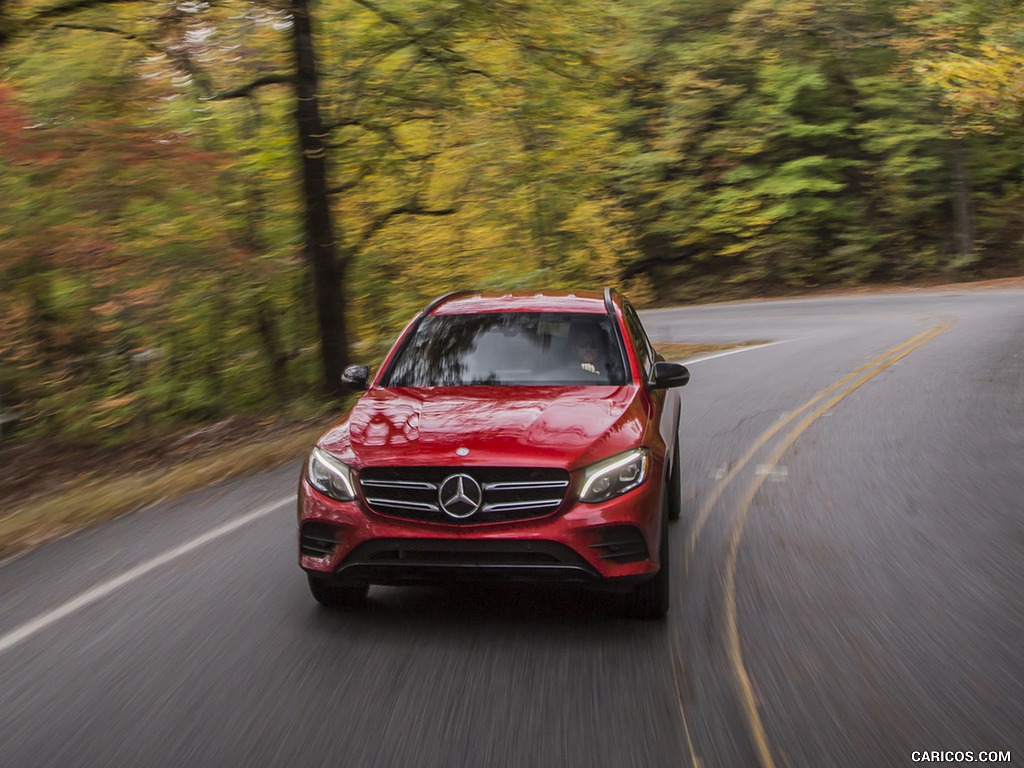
{"x":320,"y":246}
{"x":277,"y":358}
{"x":963,"y":215}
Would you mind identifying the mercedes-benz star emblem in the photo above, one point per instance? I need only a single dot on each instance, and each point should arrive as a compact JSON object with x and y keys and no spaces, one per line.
{"x":462,"y":451}
{"x":460,"y":496}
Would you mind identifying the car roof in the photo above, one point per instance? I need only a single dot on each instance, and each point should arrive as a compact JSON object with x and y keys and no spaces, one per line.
{"x":547,"y":301}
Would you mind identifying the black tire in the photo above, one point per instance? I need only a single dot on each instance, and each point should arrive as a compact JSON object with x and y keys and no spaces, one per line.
{"x":337,"y":595}
{"x":650,"y":600}
{"x":675,"y":484}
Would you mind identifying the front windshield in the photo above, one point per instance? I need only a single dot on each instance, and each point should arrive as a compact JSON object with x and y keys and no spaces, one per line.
{"x":510,"y":349}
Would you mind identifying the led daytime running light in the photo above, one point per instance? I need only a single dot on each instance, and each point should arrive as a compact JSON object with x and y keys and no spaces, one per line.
{"x":610,"y":470}
{"x":340,"y":485}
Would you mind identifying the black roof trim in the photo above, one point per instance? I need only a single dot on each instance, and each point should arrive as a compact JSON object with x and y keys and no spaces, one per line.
{"x":610,"y":295}
{"x":609,"y":302}
{"x":442,"y":299}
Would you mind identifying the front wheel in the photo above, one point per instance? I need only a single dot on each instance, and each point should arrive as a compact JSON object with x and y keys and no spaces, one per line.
{"x":650,"y":600}
{"x":675,"y":484}
{"x":337,"y":595}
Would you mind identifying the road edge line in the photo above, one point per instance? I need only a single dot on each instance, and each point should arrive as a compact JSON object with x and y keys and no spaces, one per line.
{"x":103,"y":589}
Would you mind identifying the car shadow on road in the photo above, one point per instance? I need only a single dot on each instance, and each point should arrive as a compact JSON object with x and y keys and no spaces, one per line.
{"x":479,"y":605}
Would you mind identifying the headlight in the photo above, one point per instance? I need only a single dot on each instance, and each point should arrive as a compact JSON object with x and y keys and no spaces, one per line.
{"x":613,"y":477}
{"x":330,"y":476}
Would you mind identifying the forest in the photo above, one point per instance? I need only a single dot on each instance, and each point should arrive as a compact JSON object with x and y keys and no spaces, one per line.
{"x":209,"y":207}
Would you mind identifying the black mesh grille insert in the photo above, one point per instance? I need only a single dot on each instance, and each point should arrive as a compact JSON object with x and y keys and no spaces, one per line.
{"x":318,"y":539}
{"x":622,"y":544}
{"x":425,"y":561}
{"x":502,"y":493}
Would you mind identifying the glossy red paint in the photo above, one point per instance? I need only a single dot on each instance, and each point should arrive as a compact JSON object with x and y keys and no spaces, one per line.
{"x":566,"y":427}
{"x":462,"y":427}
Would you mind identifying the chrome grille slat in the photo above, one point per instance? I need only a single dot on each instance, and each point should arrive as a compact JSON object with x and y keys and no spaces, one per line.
{"x":400,"y":484}
{"x":513,"y":505}
{"x":525,"y":486}
{"x":509,"y":493}
{"x":402,"y":504}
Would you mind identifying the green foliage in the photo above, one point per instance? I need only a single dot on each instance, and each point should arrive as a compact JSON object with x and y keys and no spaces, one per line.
{"x":151,"y":264}
{"x":788,"y":143}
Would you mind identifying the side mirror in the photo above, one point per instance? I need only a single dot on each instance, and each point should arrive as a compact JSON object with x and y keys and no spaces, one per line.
{"x":668,"y":375}
{"x":356,"y":376}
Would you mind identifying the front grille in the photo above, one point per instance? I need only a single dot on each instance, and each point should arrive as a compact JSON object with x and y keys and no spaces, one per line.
{"x":507,"y":493}
{"x":459,"y":552}
{"x":427,"y":561}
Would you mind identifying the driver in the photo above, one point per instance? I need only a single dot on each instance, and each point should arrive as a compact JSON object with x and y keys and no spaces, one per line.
{"x":586,"y":343}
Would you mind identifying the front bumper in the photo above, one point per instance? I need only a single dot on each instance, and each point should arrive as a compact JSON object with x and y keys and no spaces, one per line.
{"x":609,"y":545}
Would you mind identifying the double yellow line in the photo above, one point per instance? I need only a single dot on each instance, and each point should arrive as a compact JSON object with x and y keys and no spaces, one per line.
{"x":896,"y":353}
{"x":858,"y":377}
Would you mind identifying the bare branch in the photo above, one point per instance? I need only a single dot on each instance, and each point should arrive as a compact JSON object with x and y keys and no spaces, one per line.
{"x":338,"y":189}
{"x":11,"y":27}
{"x":440,"y":53}
{"x":69,"y":8}
{"x":182,"y":61}
{"x":348,"y":122}
{"x":412,"y":208}
{"x":345,"y":186}
{"x":866,"y":38}
{"x":243,"y":91}
{"x":113,"y":31}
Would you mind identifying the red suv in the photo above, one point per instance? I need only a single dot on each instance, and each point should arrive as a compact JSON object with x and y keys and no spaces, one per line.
{"x":513,"y":437}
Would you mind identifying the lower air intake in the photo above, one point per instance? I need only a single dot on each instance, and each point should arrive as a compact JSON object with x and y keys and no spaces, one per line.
{"x":318,"y":539}
{"x":622,"y":544}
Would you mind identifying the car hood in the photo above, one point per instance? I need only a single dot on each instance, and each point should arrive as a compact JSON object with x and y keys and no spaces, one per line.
{"x":499,"y":426}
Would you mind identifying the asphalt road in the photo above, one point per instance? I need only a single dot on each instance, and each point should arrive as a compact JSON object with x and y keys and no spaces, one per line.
{"x":849,"y":573}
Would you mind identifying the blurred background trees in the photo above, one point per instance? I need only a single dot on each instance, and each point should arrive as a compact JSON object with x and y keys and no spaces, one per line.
{"x":188,"y":212}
